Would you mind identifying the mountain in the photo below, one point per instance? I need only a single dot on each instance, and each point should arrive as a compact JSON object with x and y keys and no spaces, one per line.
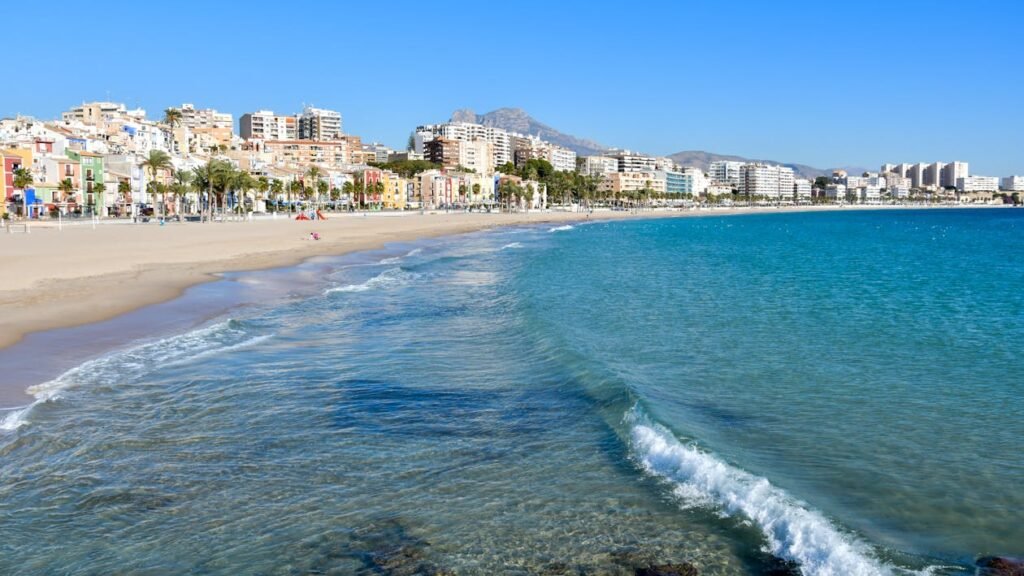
{"x":701,"y":159}
{"x":517,"y":120}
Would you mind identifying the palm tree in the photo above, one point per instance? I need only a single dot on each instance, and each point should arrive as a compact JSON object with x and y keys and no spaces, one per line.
{"x":180,"y":188}
{"x":276,"y":189}
{"x":314,"y":173}
{"x":172,"y":117}
{"x":348,"y":189}
{"x":98,"y":189}
{"x":66,"y":189}
{"x":22,"y":180}
{"x":262,"y":186}
{"x":378,"y":191}
{"x":157,"y":160}
{"x":124,"y":192}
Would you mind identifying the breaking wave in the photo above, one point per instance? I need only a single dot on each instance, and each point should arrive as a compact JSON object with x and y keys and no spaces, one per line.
{"x":387,"y":279}
{"x":792,"y":530}
{"x":138,"y":361}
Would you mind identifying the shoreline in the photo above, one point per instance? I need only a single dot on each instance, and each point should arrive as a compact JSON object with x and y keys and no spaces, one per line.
{"x":60,"y":284}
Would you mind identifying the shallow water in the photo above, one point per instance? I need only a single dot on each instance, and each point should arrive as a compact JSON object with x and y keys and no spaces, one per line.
{"x":839,"y":390}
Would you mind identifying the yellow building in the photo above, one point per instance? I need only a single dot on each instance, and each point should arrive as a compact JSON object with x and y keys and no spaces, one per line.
{"x":394,"y":191}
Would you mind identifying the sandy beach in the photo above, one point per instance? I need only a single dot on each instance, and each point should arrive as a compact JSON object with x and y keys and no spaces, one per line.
{"x":80,"y":275}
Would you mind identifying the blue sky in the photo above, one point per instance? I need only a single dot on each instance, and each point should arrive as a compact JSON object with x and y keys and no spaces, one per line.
{"x":821,"y":83}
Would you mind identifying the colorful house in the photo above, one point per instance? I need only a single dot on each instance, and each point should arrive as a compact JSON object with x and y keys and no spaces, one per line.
{"x":394,"y":191}
{"x":90,"y":174}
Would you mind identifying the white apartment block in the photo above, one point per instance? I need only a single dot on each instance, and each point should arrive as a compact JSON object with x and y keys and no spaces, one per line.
{"x":916,"y":174}
{"x":562,"y":159}
{"x":596,"y":165}
{"x":978,"y":184}
{"x":801,"y":189}
{"x":633,"y":162}
{"x":952,"y":173}
{"x":836,"y":192}
{"x":697,"y":181}
{"x":764,"y":180}
{"x":725,"y":172}
{"x":1012,"y":184}
{"x":265,"y":125}
{"x":466,"y":132}
{"x":206,"y":118}
{"x":319,"y":124}
{"x":870,"y":195}
{"x":933,"y":174}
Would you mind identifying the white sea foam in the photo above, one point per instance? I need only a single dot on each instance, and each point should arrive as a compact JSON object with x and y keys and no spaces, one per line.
{"x":387,"y":279}
{"x":512,"y":245}
{"x":562,"y":228}
{"x":138,"y":361}
{"x":397,"y":259}
{"x":793,"y":531}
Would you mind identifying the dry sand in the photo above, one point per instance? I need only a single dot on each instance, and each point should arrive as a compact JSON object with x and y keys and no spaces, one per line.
{"x":57,"y":279}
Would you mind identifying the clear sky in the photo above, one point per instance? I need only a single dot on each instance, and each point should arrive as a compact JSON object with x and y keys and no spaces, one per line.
{"x":825,"y":83}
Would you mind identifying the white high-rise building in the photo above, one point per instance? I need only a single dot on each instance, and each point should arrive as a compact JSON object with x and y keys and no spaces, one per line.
{"x":726,"y":172}
{"x":802,"y":190}
{"x":595,"y":165}
{"x":1012,"y":184}
{"x":916,"y":174}
{"x":634,"y":162}
{"x":952,"y":173}
{"x":319,"y":124}
{"x":767,"y":181}
{"x":933,"y":174}
{"x":698,"y":182}
{"x":466,"y":132}
{"x":265,"y":125}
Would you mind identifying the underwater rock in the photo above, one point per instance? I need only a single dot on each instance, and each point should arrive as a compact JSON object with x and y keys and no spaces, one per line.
{"x":684,"y":569}
{"x":999,"y":566}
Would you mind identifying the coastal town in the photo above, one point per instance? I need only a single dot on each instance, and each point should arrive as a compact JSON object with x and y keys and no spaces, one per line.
{"x":103,"y":160}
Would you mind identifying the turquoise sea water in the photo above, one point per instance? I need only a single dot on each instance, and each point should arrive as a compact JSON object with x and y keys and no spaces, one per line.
{"x":838,"y":390}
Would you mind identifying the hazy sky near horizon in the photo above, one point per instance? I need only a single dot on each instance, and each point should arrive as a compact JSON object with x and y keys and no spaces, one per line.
{"x":821,"y":83}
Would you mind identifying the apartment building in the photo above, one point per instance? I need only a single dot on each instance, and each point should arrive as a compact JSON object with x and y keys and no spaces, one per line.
{"x":767,"y":181}
{"x":443,"y":151}
{"x":332,"y":153}
{"x":726,"y":172}
{"x":597,"y":165}
{"x":952,"y":173}
{"x":620,"y":182}
{"x":319,"y":124}
{"x":1012,"y":184}
{"x":634,"y":162}
{"x":977,"y":184}
{"x":802,"y":190}
{"x":499,"y":139}
{"x":192,"y":117}
{"x":933,"y":174}
{"x":265,"y":125}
